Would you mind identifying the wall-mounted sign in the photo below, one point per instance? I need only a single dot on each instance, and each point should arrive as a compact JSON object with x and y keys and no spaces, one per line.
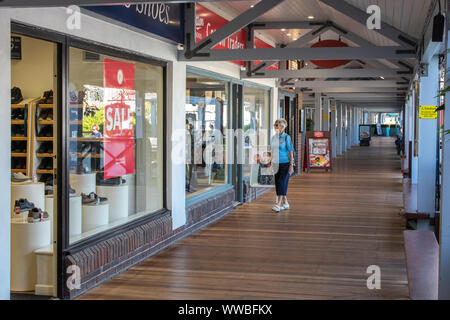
{"x":207,"y":22}
{"x":120,"y":108}
{"x":326,"y":117}
{"x":428,"y":112}
{"x":16,"y":48}
{"x":162,"y":19}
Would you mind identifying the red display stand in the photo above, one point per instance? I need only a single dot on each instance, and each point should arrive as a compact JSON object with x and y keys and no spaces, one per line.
{"x":318,"y":152}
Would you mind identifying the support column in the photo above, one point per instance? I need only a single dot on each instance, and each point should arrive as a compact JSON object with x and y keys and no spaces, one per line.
{"x":350,"y":128}
{"x":347,"y":124}
{"x":444,"y":241}
{"x":333,"y":131}
{"x":318,"y":113}
{"x":339,"y":129}
{"x":426,"y":184}
{"x":326,"y":115}
{"x":5,"y":156}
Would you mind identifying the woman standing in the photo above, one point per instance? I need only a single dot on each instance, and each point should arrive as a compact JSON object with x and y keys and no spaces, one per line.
{"x":283,"y":143}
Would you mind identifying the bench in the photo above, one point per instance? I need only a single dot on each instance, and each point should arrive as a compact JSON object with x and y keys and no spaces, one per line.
{"x":422,"y":262}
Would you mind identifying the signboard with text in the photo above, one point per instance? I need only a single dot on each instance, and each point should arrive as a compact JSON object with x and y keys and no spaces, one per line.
{"x":428,"y":112}
{"x":163,"y":19}
{"x":120,"y":107}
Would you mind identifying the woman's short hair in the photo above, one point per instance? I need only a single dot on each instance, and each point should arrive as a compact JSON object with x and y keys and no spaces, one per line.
{"x":283,"y":122}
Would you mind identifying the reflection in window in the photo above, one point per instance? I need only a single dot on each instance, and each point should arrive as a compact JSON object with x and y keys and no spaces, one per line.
{"x":206,"y":122}
{"x":256,"y":122}
{"x":115,"y":141}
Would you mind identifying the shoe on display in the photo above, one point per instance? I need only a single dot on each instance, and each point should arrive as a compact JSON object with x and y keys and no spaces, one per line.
{"x":19,"y":177}
{"x":48,"y":189}
{"x":23,"y":205}
{"x":46,"y":164}
{"x":37,"y":215}
{"x":116,"y":181}
{"x":45,"y":147}
{"x":72,"y":191}
{"x":46,"y":131}
{"x":82,"y":170}
{"x":43,"y":114}
{"x":16,"y":95}
{"x":49,"y":115}
{"x":92,"y":198}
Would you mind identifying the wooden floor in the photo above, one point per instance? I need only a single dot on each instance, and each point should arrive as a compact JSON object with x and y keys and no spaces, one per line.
{"x":339,"y":224}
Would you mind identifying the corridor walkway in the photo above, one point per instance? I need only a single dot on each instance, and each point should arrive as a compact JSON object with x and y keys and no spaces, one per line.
{"x":339,"y":224}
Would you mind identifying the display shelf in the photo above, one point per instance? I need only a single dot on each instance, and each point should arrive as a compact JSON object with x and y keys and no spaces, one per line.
{"x":19,"y":170}
{"x":19,"y":138}
{"x":38,"y":171}
{"x":84,"y":139}
{"x":45,"y":106}
{"x":76,"y":122}
{"x":22,"y":122}
{"x":17,"y":106}
{"x":44,"y":138}
{"x":46,"y":122}
{"x":44,"y":155}
{"x":19,"y":155}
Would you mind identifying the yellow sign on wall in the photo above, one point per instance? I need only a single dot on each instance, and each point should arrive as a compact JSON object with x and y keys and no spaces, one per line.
{"x":326,"y":117}
{"x":428,"y":112}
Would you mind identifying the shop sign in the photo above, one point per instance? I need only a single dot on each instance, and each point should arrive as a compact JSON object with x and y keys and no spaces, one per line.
{"x":428,"y":112}
{"x":162,"y":19}
{"x":318,"y":134}
{"x":16,"y":48}
{"x":120,"y":108}
{"x":319,"y":153}
{"x":207,"y":21}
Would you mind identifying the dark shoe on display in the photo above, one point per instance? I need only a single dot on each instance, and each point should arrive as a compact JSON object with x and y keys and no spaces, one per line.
{"x":46,"y":131}
{"x":82,"y":169}
{"x":92,"y":198}
{"x":46,"y":164}
{"x":22,"y":205}
{"x":47,"y":98}
{"x":37,"y":215}
{"x":18,"y":114}
{"x":16,"y":95}
{"x":101,"y":181}
{"x":43,"y":114}
{"x":17,"y":131}
{"x":46,"y":147}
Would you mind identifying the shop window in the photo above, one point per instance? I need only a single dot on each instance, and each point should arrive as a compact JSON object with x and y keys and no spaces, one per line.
{"x":115,"y":141}
{"x":256,"y":122}
{"x":206,"y":124}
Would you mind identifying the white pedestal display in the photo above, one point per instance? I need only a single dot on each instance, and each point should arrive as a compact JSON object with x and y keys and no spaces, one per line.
{"x":75,"y":220}
{"x":95,"y":216}
{"x":33,"y":192}
{"x":25,"y":239}
{"x":44,"y":262}
{"x":49,"y":208}
{"x":117,"y":199}
{"x":83,"y":183}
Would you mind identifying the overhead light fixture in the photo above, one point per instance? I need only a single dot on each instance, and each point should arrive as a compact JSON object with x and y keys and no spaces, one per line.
{"x":288,"y":34}
{"x":283,"y":29}
{"x":311,"y":17}
{"x":382,"y":78}
{"x":251,"y":6}
{"x":438,"y":26}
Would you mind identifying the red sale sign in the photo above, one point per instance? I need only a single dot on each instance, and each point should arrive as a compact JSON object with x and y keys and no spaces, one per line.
{"x":118,"y":130}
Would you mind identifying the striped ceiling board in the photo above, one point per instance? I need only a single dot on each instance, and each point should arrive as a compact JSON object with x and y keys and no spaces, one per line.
{"x":406,"y":15}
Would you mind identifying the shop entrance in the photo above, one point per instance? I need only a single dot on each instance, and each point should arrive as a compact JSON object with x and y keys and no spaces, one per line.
{"x":35,"y":79}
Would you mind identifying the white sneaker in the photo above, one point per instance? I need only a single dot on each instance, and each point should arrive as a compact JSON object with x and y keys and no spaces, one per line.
{"x":277,"y":208}
{"x":286,"y":206}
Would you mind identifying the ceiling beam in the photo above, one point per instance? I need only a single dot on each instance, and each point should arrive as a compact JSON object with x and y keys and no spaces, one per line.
{"x":327,"y":73}
{"x":276,"y":25}
{"x":361,"y":16}
{"x":341,"y":53}
{"x":353,"y":90}
{"x":232,"y":27}
{"x":62,"y":3}
{"x":343,"y":83}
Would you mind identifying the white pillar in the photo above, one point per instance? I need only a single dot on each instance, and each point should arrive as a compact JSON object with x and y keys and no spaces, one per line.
{"x":5,"y":156}
{"x":318,"y":113}
{"x":326,"y":115}
{"x":176,"y":170}
{"x":339,"y":128}
{"x":426,"y":184}
{"x":350,"y":127}
{"x":444,"y":243}
{"x":333,"y":131}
